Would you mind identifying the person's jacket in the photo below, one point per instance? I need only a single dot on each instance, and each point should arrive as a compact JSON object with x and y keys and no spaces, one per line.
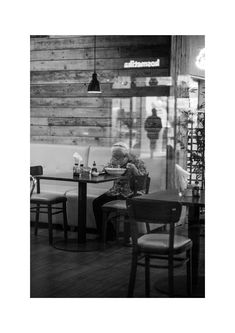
{"x":153,"y":125}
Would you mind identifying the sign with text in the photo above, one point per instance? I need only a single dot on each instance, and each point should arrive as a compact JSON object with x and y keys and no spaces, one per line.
{"x":142,"y":64}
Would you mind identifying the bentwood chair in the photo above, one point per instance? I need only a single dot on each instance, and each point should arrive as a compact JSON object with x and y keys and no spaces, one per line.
{"x":166,"y":247}
{"x":47,"y":203}
{"x":118,"y":208}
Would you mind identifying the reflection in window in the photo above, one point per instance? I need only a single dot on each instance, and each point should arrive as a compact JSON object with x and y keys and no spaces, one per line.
{"x":128,"y":122}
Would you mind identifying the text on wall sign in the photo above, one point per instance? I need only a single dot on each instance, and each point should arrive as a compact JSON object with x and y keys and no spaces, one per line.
{"x":133,"y":64}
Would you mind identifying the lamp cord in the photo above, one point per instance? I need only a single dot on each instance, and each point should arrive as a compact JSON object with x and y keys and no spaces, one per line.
{"x":94,"y":54}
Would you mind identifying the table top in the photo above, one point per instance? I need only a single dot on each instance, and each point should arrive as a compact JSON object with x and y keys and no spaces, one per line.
{"x":173,"y":196}
{"x":68,"y":176}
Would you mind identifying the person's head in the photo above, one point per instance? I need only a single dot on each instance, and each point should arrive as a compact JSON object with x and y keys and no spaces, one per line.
{"x":120,"y":154}
{"x":154,"y":112}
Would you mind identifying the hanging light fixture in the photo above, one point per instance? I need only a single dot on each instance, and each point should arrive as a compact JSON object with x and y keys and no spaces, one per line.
{"x":94,"y":85}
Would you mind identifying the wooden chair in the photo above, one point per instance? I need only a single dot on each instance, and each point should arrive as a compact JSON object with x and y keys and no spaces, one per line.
{"x":162,"y":246}
{"x":33,"y":183}
{"x":119,"y":207}
{"x":47,"y":203}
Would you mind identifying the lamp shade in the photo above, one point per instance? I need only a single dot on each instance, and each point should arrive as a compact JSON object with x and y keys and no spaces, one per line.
{"x":94,"y":85}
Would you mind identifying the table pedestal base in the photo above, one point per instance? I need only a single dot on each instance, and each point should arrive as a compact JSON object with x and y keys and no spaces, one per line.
{"x":72,"y":245}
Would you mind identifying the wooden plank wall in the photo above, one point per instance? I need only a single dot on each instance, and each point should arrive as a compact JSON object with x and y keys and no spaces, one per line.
{"x":61,"y":67}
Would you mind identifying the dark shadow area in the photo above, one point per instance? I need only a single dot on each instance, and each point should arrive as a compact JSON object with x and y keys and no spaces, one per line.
{"x":100,"y":274}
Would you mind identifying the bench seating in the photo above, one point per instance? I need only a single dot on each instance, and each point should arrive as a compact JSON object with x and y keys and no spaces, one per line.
{"x":59,"y":158}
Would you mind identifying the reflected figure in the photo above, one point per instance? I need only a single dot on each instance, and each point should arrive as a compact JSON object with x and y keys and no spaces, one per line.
{"x":153,"y":126}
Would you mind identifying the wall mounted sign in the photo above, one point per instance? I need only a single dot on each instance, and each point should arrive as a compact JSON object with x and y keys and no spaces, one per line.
{"x":141,"y":64}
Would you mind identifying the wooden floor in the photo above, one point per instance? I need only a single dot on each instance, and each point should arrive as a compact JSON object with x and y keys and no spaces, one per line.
{"x":56,"y":273}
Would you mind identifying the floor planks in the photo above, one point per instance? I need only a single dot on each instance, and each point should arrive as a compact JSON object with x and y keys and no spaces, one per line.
{"x":55,"y":273}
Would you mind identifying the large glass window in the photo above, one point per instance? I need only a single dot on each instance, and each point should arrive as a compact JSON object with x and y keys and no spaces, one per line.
{"x":129,"y":117}
{"x":146,"y":126}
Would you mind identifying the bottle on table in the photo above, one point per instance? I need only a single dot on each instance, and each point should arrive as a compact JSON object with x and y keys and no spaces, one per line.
{"x":81,"y":169}
{"x":196,"y":190}
{"x":94,"y":168}
{"x":76,"y":170}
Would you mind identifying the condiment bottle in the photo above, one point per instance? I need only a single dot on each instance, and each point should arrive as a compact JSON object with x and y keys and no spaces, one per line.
{"x":76,"y":169}
{"x":81,"y":168}
{"x":94,"y":168}
{"x":196,"y":190}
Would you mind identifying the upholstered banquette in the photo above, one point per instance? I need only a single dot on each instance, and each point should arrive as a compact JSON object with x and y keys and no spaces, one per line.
{"x":59,"y":158}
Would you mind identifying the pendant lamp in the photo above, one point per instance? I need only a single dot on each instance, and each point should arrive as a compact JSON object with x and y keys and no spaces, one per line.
{"x":94,"y":85}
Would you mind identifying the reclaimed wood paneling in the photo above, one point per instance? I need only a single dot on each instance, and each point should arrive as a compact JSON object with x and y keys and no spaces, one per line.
{"x":39,"y":121}
{"x":62,"y":111}
{"x":105,"y":76}
{"x":70,"y":140}
{"x":70,"y":112}
{"x":102,"y":53}
{"x":101,"y":64}
{"x":98,"y":122}
{"x":71,"y":102}
{"x":63,"y":90}
{"x":78,"y":131}
{"x":101,"y":41}
{"x":39,"y":131}
{"x":80,"y":90}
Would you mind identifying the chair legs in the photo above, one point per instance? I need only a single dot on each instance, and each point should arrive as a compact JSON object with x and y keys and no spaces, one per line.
{"x":65,"y":221}
{"x":37,"y":219}
{"x":189,"y":275}
{"x":189,"y":272}
{"x":171,"y":277}
{"x":116,"y":223}
{"x":132,"y":275}
{"x":118,"y":219}
{"x":126,"y":227}
{"x":147,"y":277}
{"x":50,"y":226}
{"x":127,"y":232}
{"x":105,"y":219}
{"x":104,"y":225}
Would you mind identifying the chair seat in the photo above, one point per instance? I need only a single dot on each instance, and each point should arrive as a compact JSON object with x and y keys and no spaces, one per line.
{"x":159,"y":243}
{"x":47,"y":198}
{"x":115,"y":205}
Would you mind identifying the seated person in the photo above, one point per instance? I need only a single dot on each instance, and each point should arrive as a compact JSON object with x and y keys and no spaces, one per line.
{"x":121,"y":187}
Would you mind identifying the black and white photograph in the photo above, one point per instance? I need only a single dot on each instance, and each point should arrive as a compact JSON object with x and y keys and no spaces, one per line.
{"x":117,"y":167}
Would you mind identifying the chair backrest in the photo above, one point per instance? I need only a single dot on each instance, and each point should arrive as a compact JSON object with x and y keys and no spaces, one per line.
{"x":33,"y":183}
{"x":157,"y":212}
{"x":140,"y":183}
{"x":36,"y":170}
